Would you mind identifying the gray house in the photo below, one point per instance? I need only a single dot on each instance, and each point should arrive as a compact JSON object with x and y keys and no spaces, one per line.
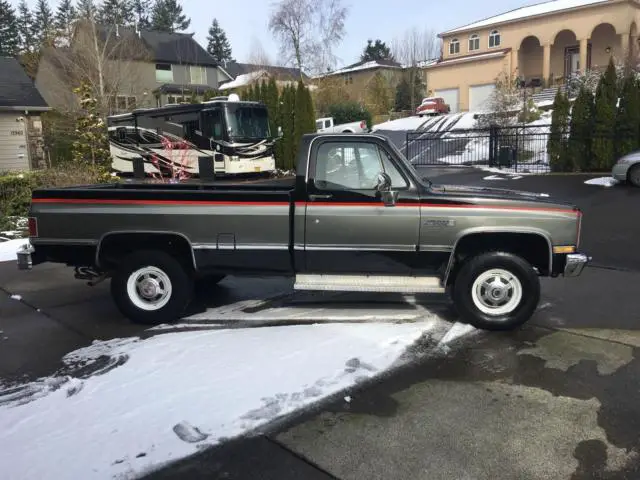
{"x":20,"y":125}
{"x":140,"y":68}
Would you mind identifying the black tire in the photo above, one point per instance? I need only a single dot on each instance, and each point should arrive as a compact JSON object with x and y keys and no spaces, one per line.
{"x":173,"y":305}
{"x":633,"y":176}
{"x":473,"y":268}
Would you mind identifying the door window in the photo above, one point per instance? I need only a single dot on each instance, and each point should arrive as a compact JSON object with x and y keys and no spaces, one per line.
{"x":353,"y":166}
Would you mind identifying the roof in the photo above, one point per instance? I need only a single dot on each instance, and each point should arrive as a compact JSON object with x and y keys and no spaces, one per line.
{"x":174,"y":48}
{"x":17,"y":90}
{"x":242,"y":80}
{"x":234,"y":69}
{"x":470,"y":58}
{"x":365,"y":65}
{"x":525,"y":12}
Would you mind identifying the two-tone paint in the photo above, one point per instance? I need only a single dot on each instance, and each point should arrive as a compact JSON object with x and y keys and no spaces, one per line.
{"x":292,"y":226}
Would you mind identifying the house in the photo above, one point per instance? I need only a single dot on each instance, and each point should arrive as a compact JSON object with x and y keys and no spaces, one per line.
{"x":357,"y":78}
{"x":542,"y":45}
{"x":245,"y":74}
{"x":144,"y":69}
{"x":21,"y":143}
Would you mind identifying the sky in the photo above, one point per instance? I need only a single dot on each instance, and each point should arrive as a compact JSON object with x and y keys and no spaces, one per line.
{"x":245,"y":21}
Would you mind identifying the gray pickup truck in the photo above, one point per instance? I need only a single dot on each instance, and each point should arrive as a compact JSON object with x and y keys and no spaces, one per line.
{"x":357,"y":217}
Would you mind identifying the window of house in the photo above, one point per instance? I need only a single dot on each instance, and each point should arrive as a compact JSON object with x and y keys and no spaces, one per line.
{"x":164,"y":73}
{"x":177,"y":99}
{"x":474,"y":42}
{"x":198,"y":75}
{"x":494,"y":39}
{"x":348,"y":79}
{"x":122,"y":103}
{"x":454,"y":46}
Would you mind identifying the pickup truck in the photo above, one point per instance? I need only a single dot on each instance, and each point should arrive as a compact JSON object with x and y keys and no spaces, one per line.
{"x":356,"y":217}
{"x":433,"y":106}
{"x":326,"y":125}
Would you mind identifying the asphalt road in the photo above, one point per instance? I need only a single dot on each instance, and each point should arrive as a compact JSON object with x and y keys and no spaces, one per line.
{"x":557,"y":399}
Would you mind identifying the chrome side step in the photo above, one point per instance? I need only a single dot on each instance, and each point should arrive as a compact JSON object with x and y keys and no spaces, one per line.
{"x":369,"y":283}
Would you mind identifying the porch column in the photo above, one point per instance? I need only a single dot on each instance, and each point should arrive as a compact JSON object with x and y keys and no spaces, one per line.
{"x":624,"y":45}
{"x":546,"y":63}
{"x":584,"y":45}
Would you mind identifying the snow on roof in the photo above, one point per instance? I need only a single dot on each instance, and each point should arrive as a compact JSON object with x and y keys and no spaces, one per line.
{"x":242,"y":80}
{"x":470,"y":58}
{"x":364,"y":66}
{"x":524,"y":12}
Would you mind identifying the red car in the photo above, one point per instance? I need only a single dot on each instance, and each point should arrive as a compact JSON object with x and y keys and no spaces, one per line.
{"x":432,"y":106}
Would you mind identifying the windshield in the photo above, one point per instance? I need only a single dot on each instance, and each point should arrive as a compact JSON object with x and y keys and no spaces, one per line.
{"x":409,"y":165}
{"x":248,"y":122}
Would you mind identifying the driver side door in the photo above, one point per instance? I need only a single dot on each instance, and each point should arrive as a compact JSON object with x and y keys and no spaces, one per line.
{"x":348,"y":229}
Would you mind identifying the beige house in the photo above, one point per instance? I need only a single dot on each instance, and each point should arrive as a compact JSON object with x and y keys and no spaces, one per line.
{"x":542,"y":44}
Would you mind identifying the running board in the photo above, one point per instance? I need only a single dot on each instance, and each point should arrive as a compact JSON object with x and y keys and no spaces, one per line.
{"x":369,"y":283}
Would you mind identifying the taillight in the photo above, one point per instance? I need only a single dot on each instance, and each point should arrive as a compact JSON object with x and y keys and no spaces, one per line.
{"x":363,"y":124}
{"x":33,"y":227}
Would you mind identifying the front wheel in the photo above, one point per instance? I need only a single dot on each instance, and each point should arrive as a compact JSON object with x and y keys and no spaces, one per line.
{"x":151,"y":287}
{"x":634,"y":176}
{"x":496,"y":291}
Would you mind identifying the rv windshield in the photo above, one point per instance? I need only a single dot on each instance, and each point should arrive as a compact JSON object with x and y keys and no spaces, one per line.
{"x":247,"y":122}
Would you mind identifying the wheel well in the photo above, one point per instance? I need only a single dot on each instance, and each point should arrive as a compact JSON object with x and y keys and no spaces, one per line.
{"x":534,"y":248}
{"x":115,"y":246}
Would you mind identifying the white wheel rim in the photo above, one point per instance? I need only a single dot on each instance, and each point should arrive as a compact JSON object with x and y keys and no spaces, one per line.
{"x":149,"y":288}
{"x":496,"y":292}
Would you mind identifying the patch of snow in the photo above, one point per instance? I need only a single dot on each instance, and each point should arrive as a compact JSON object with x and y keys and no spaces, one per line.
{"x":9,"y":248}
{"x":16,"y":297}
{"x":165,"y":397}
{"x":243,"y":80}
{"x":408,"y":123}
{"x":602,"y":181}
{"x":525,"y":12}
{"x":457,"y":331}
{"x":362,"y":66}
{"x":347,"y":399}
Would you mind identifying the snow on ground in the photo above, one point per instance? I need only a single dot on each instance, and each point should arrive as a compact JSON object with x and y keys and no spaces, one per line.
{"x":408,"y":123}
{"x":602,"y":181}
{"x":9,"y":248}
{"x":123,"y":406}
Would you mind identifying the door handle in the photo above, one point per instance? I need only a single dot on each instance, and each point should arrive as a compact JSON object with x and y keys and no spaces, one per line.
{"x":314,"y":196}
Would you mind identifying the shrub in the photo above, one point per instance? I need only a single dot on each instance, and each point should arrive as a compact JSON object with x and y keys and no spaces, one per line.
{"x":347,"y":112}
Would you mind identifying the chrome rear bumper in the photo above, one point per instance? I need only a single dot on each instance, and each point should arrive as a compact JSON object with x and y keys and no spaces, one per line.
{"x":575,"y":263}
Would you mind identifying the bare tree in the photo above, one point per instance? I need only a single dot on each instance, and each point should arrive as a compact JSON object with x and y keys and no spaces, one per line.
{"x":412,"y":49}
{"x":308,"y":30}
{"x":107,"y":58}
{"x":257,"y":54}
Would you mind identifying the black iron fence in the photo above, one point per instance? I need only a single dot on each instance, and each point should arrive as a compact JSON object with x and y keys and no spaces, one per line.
{"x":513,"y":148}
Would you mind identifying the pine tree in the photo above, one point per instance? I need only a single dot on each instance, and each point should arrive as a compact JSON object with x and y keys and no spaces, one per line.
{"x":141,"y":9}
{"x":581,"y":126}
{"x":87,"y":9}
{"x":219,"y":47}
{"x":91,"y":145}
{"x":43,"y":24}
{"x":557,"y":144}
{"x":65,"y":16}
{"x":287,"y":107}
{"x":304,"y":121}
{"x":9,"y":38}
{"x":116,"y":12}
{"x":403,"y":95}
{"x":605,"y":119}
{"x":628,"y":117}
{"x":167,"y":16}
{"x":25,"y":28}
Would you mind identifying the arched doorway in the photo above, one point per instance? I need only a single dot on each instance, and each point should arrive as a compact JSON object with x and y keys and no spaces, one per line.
{"x":530,"y":58}
{"x":565,"y":55}
{"x":605,"y":44}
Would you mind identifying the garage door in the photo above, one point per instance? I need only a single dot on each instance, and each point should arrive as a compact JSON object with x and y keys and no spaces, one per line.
{"x":13,"y":143}
{"x":479,"y":96}
{"x":451,"y":96}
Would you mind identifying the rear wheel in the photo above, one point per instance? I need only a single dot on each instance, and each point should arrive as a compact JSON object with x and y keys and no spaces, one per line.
{"x":151,"y":287}
{"x":634,"y":175}
{"x":496,"y":291}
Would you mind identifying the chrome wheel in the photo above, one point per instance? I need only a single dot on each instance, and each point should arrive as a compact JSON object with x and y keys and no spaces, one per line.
{"x":149,"y":288}
{"x":496,"y":292}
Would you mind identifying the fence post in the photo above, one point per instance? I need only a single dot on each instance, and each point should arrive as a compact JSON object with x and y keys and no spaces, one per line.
{"x":493,"y":145}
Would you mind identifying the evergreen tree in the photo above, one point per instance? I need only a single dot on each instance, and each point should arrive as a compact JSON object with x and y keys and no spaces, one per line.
{"x":287,"y":107}
{"x":605,"y":119}
{"x":65,"y":16}
{"x":250,"y":93}
{"x":271,"y":101}
{"x":403,"y":95}
{"x":116,"y":12}
{"x":581,"y":126}
{"x":376,"y":51}
{"x":141,"y":9}
{"x":167,"y":16}
{"x":91,"y":145}
{"x":219,"y":47}
{"x":26,"y":36}
{"x":9,"y":37}
{"x":257,"y":91}
{"x":87,"y":9}
{"x":304,"y":116}
{"x":43,"y":24}
{"x":557,"y":144}
{"x":628,"y":117}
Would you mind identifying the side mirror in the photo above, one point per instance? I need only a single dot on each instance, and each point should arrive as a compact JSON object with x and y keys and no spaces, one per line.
{"x":383,"y":186}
